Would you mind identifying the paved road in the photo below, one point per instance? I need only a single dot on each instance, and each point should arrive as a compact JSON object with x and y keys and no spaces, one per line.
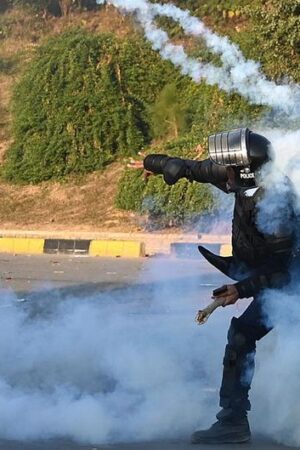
{"x":30,"y":273}
{"x":257,"y":444}
{"x":38,"y":281}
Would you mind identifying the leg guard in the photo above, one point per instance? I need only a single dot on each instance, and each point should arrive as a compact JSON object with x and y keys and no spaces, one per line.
{"x":238,"y":370}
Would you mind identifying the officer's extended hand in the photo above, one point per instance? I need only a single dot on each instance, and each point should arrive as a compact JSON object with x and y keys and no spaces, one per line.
{"x":229,"y":295}
{"x":139,"y":164}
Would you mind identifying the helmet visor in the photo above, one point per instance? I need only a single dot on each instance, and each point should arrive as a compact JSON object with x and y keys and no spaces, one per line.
{"x":230,"y":148}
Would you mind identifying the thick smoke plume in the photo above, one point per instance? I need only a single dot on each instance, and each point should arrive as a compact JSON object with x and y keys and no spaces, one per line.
{"x":276,"y":385}
{"x":237,"y":74}
{"x":128,"y":366}
{"x":279,"y":208}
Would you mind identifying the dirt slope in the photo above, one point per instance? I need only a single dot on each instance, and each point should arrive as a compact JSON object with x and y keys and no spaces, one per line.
{"x":85,"y":204}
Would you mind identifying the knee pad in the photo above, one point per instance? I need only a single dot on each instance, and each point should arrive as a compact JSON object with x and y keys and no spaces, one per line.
{"x":230,"y":357}
{"x":236,"y":339}
{"x":237,"y":345}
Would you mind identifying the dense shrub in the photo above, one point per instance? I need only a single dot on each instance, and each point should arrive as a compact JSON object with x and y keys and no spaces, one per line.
{"x":83,"y":101}
{"x":184,"y":202}
{"x":276,"y":28}
{"x":209,"y":110}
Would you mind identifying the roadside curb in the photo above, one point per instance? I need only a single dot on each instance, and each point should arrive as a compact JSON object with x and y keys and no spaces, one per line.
{"x":120,"y":248}
{"x":104,"y":248}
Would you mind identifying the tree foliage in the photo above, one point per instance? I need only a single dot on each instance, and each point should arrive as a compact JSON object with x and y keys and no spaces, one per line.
{"x":276,"y":28}
{"x":83,"y":101}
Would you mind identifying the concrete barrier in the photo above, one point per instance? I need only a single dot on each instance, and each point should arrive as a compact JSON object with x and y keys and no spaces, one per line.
{"x":21,"y":245}
{"x":125,"y":249}
{"x":226,"y":250}
{"x":112,"y":244}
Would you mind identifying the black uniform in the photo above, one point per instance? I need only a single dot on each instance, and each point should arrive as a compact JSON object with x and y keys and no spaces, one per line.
{"x":259,"y":261}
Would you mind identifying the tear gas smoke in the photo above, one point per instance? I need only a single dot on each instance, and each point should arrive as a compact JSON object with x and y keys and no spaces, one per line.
{"x":134,"y":366}
{"x":220,"y":220}
{"x":275,"y":411}
{"x":280,"y":179}
{"x":117,"y":367}
{"x":237,"y":74}
{"x":276,"y":387}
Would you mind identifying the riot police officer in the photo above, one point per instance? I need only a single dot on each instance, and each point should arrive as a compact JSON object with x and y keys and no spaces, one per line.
{"x":259,"y":261}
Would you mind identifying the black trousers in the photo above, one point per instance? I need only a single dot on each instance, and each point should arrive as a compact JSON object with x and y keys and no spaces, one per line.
{"x":239,"y":357}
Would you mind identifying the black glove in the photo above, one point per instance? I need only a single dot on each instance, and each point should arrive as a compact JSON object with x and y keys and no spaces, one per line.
{"x":174,"y":169}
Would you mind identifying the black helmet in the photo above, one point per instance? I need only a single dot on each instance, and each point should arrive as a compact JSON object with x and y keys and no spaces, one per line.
{"x":241,"y":149}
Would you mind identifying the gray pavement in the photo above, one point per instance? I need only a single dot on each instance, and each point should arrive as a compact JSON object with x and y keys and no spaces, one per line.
{"x":25,"y":273}
{"x":40,"y":280}
{"x":257,"y":444}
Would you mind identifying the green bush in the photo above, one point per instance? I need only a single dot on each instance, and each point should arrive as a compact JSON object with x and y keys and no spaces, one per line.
{"x":130,"y":192}
{"x":276,"y":27}
{"x":208,"y":110}
{"x":83,"y":100}
{"x":166,"y":205}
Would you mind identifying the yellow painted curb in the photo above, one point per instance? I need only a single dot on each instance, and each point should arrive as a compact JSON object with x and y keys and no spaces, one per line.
{"x":126,"y":249}
{"x":21,"y":245}
{"x":226,"y":250}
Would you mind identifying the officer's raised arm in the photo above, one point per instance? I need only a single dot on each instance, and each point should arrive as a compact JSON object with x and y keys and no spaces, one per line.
{"x":173,"y":169}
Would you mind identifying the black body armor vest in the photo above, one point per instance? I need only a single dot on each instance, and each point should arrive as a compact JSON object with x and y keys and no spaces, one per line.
{"x":249,"y":245}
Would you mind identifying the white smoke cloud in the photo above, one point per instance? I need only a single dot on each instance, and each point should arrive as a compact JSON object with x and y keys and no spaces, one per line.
{"x":133,"y":366}
{"x":276,"y":387}
{"x":276,"y":382}
{"x":112,"y":368}
{"x":237,"y":74}
{"x":280,"y":179}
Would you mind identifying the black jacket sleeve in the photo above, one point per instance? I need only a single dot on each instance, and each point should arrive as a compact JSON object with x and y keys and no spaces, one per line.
{"x":173,"y":169}
{"x":274,"y":273}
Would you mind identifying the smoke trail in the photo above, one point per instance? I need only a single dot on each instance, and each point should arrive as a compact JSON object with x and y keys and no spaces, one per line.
{"x":237,"y":73}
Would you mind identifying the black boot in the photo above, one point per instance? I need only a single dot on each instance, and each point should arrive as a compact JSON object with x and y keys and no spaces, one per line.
{"x":231,"y":428}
